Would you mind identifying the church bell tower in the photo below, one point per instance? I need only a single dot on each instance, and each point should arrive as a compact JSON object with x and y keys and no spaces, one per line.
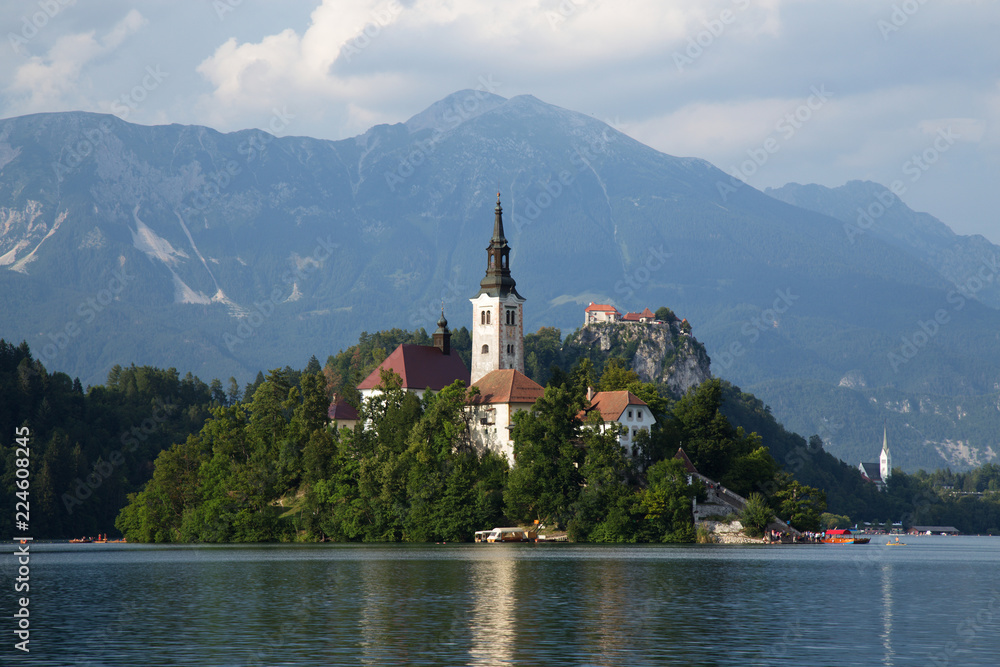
{"x":885,"y":459}
{"x":497,"y":313}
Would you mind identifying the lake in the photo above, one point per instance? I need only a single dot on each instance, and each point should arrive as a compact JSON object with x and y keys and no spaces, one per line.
{"x":935,"y":601}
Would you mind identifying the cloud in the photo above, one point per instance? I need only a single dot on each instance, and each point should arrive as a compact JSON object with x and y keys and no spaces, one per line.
{"x":341,"y":66}
{"x":356,"y":57}
{"x":54,"y":82}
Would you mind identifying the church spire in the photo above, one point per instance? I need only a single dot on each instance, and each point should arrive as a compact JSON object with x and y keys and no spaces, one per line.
{"x":885,"y":458}
{"x":498,"y":237}
{"x":497,"y":312}
{"x":498,"y":281}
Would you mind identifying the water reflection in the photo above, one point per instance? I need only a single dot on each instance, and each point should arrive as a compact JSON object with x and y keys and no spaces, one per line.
{"x":492,"y":626}
{"x":887,"y":583}
{"x":406,"y":605}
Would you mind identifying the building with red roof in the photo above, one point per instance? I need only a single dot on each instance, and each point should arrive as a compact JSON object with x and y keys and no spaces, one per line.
{"x":342,"y":413}
{"x":502,"y":393}
{"x":620,"y":407}
{"x":600,"y":312}
{"x":421,"y":367}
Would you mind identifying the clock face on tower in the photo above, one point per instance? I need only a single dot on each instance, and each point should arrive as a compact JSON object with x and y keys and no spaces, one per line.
{"x":497,"y":313}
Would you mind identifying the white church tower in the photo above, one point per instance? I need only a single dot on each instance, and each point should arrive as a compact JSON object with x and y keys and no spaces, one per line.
{"x":885,"y":459}
{"x":497,"y":313}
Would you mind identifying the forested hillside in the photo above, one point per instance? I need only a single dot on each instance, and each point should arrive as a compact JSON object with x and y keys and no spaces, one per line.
{"x":88,"y":450}
{"x":194,"y":462}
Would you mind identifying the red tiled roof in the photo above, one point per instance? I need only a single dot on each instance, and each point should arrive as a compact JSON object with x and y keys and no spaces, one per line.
{"x":421,"y":367}
{"x":507,"y":386}
{"x":630,"y":317}
{"x":682,"y":455}
{"x":600,"y":307}
{"x":341,"y":410}
{"x":647,"y":313}
{"x":612,"y":404}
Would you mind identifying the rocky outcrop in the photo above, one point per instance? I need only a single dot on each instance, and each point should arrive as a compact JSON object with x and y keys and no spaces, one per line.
{"x":660,"y":352}
{"x":721,"y":532}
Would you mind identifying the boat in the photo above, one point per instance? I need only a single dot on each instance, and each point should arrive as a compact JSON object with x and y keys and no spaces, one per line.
{"x":511,"y":535}
{"x":843,"y":536}
{"x":897,"y":543}
{"x":82,"y":540}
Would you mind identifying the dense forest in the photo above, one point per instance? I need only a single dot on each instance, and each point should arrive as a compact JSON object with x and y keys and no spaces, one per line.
{"x":272,"y":469}
{"x":89,"y":449}
{"x":165,"y":458}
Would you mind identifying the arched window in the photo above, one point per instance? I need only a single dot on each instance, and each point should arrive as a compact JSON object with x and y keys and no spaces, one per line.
{"x":503,"y":261}
{"x":493,"y":261}
{"x":482,"y":317}
{"x":486,"y":349}
{"x":487,"y":317}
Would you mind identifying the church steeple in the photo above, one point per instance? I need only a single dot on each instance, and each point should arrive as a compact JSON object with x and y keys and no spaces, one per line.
{"x":497,"y":314}
{"x":498,"y":282}
{"x":885,"y":459}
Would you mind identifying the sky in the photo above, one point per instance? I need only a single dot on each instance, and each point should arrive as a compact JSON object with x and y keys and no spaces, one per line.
{"x":770,"y":91}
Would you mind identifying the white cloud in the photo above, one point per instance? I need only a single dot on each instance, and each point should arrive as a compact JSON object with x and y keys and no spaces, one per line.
{"x":53,"y":82}
{"x":341,"y":66}
{"x":357,"y":55}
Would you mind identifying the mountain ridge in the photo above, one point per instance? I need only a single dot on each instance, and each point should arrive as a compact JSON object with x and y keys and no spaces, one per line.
{"x":290,"y":246}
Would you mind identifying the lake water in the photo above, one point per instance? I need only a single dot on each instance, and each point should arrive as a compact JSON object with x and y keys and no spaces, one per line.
{"x":935,"y":601}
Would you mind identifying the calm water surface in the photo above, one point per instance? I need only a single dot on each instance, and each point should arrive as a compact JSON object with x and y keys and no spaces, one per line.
{"x":935,"y":601}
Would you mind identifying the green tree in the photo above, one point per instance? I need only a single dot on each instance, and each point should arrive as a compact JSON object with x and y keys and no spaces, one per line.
{"x":545,"y":480}
{"x":799,"y":505}
{"x":603,"y":510}
{"x":665,"y":504}
{"x":756,"y":515}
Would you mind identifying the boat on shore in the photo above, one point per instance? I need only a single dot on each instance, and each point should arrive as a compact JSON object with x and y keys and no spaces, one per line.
{"x":843,"y":536}
{"x":506,"y":535}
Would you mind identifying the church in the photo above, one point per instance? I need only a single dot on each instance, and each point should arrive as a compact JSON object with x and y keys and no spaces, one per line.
{"x":879,"y":473}
{"x":498,"y":351}
{"x":497,"y":355}
{"x":497,"y":364}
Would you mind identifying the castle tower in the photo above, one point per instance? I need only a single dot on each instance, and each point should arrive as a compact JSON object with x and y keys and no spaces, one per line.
{"x":497,"y":314}
{"x":885,"y":459}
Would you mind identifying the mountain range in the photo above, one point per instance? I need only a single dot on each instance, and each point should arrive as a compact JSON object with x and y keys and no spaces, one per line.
{"x":223,"y":254}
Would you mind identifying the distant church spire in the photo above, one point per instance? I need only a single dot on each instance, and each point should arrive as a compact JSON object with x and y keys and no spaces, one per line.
{"x":885,"y":459}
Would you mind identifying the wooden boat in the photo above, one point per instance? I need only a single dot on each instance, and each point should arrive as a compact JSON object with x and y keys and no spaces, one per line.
{"x":843,"y":536}
{"x":897,"y":543}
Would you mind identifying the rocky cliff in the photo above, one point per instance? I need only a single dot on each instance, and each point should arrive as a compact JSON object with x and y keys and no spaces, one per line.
{"x":660,"y":352}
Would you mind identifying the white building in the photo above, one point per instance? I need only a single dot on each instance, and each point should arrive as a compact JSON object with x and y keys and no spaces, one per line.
{"x":502,"y":393}
{"x":600,"y":312}
{"x":624,"y":408}
{"x":497,"y":313}
{"x":879,"y":473}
